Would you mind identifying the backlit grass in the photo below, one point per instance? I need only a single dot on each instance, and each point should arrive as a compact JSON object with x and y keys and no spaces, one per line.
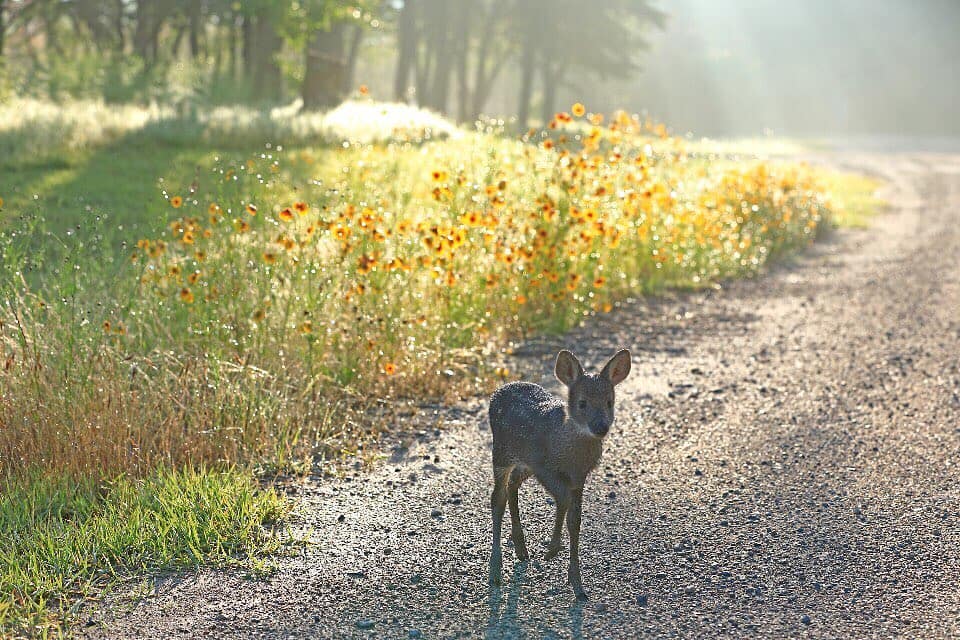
{"x":177,"y":299}
{"x":293,"y":289}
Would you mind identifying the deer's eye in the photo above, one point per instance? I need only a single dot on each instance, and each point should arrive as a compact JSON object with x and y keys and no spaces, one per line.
{"x":582,"y":404}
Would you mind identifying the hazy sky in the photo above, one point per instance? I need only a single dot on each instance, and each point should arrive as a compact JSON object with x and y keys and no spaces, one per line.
{"x":802,"y":67}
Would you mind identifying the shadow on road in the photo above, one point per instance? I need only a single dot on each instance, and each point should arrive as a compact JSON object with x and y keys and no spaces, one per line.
{"x":506,"y":622}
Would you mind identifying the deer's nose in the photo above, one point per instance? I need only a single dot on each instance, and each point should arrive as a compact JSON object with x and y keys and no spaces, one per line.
{"x":599,"y":427}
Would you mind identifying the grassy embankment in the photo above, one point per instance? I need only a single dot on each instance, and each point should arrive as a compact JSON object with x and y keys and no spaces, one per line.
{"x":179,"y":295}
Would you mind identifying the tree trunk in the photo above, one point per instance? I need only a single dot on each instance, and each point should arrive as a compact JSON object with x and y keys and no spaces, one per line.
{"x":486,"y":69}
{"x":527,"y":62}
{"x":481,"y":92}
{"x":550,"y":76}
{"x":233,"y":44}
{"x":441,"y":41}
{"x":50,"y":33}
{"x":84,"y":13}
{"x":246,"y":44}
{"x":141,"y":32}
{"x":353,"y":53}
{"x":406,"y":50}
{"x":425,"y":58}
{"x":325,"y":69}
{"x":196,"y":23}
{"x":463,"y":60}
{"x":463,"y":85}
{"x":147,"y":32}
{"x":216,"y":39}
{"x":423,"y":74}
{"x":155,"y":40}
{"x":3,"y":25}
{"x":121,"y":38}
{"x":177,"y":41}
{"x":266,"y":73}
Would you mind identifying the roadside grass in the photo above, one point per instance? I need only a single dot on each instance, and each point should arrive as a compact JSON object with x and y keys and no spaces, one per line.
{"x":179,"y":299}
{"x":67,"y":537}
{"x":290,"y":290}
{"x":855,"y":197}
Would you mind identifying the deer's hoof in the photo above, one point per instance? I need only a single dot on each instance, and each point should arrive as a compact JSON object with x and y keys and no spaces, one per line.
{"x":495,"y":570}
{"x":575,"y":581}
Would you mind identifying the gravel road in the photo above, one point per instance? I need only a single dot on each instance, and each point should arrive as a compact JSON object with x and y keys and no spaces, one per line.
{"x":784,"y":464}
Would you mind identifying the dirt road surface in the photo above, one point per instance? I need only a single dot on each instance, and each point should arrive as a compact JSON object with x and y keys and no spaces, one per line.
{"x":785,"y":463}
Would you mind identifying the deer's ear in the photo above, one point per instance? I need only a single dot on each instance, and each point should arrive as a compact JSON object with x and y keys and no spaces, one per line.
{"x":617,"y":368}
{"x":568,"y":369}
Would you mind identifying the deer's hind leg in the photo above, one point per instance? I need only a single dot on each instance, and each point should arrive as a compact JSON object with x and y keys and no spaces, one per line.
{"x":517,"y":476}
{"x":498,"y":504}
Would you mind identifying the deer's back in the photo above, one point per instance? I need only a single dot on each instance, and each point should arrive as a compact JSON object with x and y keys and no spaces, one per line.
{"x":522,"y":416}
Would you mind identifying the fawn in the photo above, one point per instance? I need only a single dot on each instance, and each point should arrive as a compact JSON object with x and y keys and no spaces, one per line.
{"x":535,"y":434}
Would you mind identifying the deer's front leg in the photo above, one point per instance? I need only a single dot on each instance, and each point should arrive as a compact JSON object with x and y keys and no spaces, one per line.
{"x":556,"y":541}
{"x":558,"y":486}
{"x":573,"y":529}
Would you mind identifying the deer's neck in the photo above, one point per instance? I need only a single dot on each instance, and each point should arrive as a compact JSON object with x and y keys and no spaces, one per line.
{"x":581,"y":448}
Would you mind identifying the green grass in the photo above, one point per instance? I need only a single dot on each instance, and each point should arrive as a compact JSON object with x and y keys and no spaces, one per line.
{"x":64,"y":538}
{"x":92,"y":204}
